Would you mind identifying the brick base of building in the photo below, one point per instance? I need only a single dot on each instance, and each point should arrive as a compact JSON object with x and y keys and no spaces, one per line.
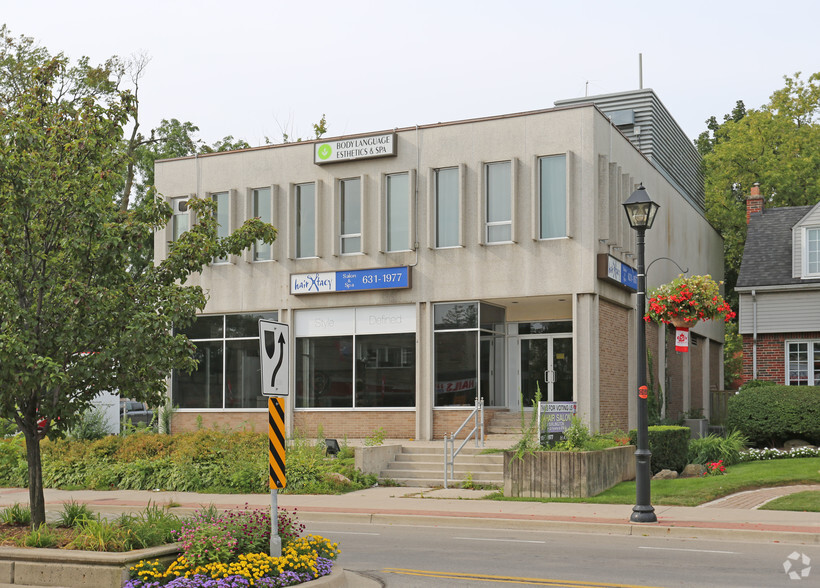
{"x":771,"y":355}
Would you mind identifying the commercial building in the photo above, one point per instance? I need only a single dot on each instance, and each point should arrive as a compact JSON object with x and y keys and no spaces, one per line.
{"x":421,"y":267}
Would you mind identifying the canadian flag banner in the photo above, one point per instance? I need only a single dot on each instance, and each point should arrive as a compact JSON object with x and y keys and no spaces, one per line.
{"x":682,"y":339}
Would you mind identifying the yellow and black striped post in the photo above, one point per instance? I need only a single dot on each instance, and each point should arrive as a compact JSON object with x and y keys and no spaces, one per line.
{"x":276,"y":442}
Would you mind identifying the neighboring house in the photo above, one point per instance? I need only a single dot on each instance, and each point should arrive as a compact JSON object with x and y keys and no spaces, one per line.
{"x":422,"y":267}
{"x":779,"y":291}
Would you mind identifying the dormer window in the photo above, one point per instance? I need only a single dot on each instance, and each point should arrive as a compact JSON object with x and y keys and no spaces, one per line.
{"x":812,"y":252}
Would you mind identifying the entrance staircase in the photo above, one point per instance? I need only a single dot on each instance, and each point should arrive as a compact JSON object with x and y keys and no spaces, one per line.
{"x":424,"y":467}
{"x":505,"y":422}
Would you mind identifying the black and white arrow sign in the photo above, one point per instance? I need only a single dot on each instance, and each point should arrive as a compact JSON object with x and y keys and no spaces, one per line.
{"x":273,"y":356}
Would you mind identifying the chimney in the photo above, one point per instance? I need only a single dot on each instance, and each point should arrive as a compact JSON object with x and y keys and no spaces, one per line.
{"x":754,"y":202}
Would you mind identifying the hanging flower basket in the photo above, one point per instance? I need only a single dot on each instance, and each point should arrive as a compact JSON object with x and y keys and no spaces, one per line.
{"x":686,"y":300}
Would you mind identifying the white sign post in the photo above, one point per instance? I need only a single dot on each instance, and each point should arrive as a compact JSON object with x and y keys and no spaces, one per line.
{"x":274,"y":360}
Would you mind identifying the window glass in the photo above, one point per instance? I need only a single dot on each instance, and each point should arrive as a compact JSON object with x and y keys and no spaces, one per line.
{"x":492,"y":317}
{"x":227,"y":374}
{"x":456,"y":368}
{"x":202,"y":388}
{"x":447,"y":221}
{"x":180,"y":219}
{"x":351,"y":215}
{"x":798,"y":372}
{"x":553,"y":196}
{"x":386,"y":370}
{"x":813,"y":251}
{"x":459,"y":315}
{"x":324,"y":372}
{"x":499,"y":203}
{"x":306,"y":220}
{"x":262,"y":209}
{"x":222,"y":214}
{"x":545,"y":327}
{"x":398,"y":207}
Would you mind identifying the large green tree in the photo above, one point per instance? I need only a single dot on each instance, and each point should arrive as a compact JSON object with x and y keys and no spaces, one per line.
{"x":74,"y":320}
{"x":777,"y":146}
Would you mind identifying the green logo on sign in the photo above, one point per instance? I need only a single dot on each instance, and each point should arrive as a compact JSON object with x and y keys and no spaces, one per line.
{"x":325,"y":151}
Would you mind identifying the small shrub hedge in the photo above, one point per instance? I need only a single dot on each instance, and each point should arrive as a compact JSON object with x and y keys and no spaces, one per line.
{"x":669,"y":446}
{"x":771,"y":415}
{"x":202,"y":461}
{"x":712,"y":448}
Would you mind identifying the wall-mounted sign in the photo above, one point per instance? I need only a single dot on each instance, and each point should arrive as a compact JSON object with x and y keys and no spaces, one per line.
{"x":350,"y":280}
{"x":368,"y":147}
{"x":616,"y":272}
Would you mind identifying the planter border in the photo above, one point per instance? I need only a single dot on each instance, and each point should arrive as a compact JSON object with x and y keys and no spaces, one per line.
{"x":567,"y":474}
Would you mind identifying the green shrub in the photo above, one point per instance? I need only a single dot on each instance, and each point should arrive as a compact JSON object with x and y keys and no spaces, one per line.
{"x":669,"y":446}
{"x":73,"y":513}
{"x":43,"y":537}
{"x":772,"y":414}
{"x":712,"y":448}
{"x":16,"y":514}
{"x":89,"y":426}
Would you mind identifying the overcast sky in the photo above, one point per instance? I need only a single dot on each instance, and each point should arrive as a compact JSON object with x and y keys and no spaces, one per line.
{"x":251,"y":68}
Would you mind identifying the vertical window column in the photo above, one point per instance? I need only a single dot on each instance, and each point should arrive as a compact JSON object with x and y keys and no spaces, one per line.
{"x":498,"y":200}
{"x":447,"y":213}
{"x":552,"y":196}
{"x":262,"y":204}
{"x":397,"y":210}
{"x":223,"y":217}
{"x":305,"y":220}
{"x":350,"y":219}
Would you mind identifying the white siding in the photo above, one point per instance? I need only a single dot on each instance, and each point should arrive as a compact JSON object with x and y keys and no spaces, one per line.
{"x":812,"y":219}
{"x":781,"y":312}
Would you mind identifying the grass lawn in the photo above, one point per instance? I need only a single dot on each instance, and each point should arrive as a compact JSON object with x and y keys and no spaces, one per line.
{"x":808,"y":501}
{"x":695,"y":491}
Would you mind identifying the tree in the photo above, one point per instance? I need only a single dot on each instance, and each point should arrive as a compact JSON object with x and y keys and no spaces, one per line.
{"x":777,"y":146}
{"x":74,"y":320}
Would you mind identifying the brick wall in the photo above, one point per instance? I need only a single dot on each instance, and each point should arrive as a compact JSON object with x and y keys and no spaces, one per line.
{"x":446,"y":421}
{"x":771,"y":355}
{"x":613,"y":361}
{"x":673,"y":387}
{"x":696,"y":371}
{"x":334,"y":424}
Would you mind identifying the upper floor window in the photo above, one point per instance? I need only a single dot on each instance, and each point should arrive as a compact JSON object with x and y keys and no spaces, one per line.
{"x":305,"y":206}
{"x":552,"y":196}
{"x":350,"y":220}
{"x":262,"y":209}
{"x":499,"y":202}
{"x":222,"y":214}
{"x":813,"y":252}
{"x":397,"y":194}
{"x":179,"y":222}
{"x":447,"y":207}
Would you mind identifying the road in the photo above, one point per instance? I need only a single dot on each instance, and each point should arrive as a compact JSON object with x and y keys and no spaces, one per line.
{"x":427,"y":557}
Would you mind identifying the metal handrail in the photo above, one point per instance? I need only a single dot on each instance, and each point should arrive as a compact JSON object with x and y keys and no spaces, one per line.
{"x":450,"y":452}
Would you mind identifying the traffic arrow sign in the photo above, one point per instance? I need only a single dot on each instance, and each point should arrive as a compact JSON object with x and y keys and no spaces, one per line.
{"x":274,"y":356}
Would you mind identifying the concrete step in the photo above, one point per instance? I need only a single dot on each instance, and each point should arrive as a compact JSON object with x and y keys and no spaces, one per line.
{"x":461,"y":457}
{"x":493,"y":468}
{"x":424,"y":466}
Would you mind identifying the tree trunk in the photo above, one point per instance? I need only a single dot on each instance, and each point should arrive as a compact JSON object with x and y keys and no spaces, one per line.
{"x":37,"y":501}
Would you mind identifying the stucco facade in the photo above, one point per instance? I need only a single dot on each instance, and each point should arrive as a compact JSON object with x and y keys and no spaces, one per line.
{"x":545,"y":288}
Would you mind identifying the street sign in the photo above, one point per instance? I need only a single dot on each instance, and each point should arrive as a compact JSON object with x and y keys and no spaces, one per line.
{"x":274,"y":357}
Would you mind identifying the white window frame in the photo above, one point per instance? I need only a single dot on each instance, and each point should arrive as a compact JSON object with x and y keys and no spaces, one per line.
{"x":539,"y":236}
{"x":254,"y":192}
{"x":488,"y":223}
{"x":387,"y":209}
{"x":807,"y":231}
{"x":296,"y":193}
{"x":350,"y":236}
{"x":434,"y":202}
{"x":813,"y":356}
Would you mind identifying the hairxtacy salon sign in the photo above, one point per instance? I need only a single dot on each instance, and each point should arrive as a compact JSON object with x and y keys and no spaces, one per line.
{"x":367,"y":147}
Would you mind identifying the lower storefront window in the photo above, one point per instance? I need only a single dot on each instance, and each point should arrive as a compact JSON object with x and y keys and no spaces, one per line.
{"x":803,"y":363}
{"x":227,"y":372}
{"x":342,"y":361}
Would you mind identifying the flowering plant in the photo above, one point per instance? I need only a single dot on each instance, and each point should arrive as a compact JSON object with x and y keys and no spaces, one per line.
{"x":715,"y":468}
{"x":685,"y":301}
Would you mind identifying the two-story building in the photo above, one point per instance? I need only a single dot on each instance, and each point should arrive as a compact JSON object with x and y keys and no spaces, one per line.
{"x":421,"y":267}
{"x":779,"y":291}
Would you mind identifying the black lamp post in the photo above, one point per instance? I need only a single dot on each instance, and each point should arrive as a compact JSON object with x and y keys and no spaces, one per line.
{"x":640,"y":210}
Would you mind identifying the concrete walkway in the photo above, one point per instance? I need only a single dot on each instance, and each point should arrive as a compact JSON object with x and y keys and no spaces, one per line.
{"x":734,"y":519}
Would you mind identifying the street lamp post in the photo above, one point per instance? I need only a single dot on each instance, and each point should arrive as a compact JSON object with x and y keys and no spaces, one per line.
{"x":641,"y":211}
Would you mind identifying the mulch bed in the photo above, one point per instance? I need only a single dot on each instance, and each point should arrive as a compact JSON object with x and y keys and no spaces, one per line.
{"x":14,"y":535}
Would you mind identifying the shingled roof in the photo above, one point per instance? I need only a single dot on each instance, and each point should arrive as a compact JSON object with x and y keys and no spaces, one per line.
{"x":767,"y":255}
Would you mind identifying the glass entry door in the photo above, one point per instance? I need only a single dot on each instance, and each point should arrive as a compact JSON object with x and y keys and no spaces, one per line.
{"x":546,"y":363}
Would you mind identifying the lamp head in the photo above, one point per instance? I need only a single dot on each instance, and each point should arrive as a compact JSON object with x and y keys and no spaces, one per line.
{"x":640,"y":209}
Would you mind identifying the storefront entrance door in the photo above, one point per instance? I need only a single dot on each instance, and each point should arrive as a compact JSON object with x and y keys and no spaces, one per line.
{"x":546,"y":364}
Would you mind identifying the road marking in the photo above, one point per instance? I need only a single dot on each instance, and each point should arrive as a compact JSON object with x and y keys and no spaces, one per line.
{"x":693,"y":550}
{"x":348,"y":533}
{"x":510,"y":579}
{"x":500,"y":540}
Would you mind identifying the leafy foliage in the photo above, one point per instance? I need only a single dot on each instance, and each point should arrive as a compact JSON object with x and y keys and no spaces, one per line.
{"x":75,"y":319}
{"x":713,"y":449}
{"x":669,"y":446}
{"x":771,"y":414}
{"x":777,"y":145}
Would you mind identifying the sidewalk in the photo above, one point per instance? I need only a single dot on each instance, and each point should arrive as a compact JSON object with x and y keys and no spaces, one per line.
{"x":735,"y":519}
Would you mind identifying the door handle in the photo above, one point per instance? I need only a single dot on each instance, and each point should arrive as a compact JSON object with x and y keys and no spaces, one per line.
{"x":546,"y":377}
